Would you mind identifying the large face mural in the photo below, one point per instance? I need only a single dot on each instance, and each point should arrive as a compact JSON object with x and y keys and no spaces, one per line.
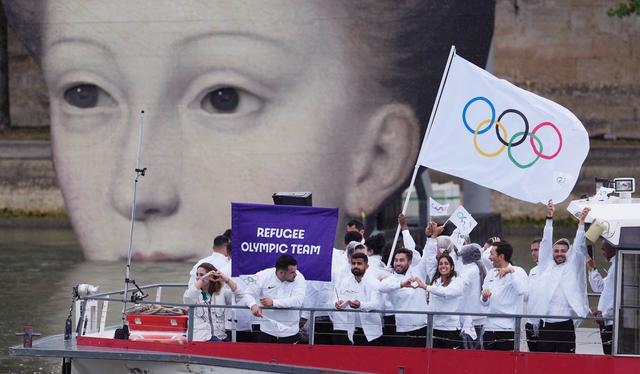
{"x":242,"y":99}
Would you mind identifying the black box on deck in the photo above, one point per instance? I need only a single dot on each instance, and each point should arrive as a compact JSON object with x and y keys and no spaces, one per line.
{"x":292,"y":198}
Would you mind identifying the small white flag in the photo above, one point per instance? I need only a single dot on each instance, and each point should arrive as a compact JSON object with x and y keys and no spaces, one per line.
{"x":463,"y":220}
{"x":457,"y":238}
{"x":437,"y":209}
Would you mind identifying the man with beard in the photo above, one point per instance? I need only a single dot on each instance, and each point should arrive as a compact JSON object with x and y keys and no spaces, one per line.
{"x":358,"y":292}
{"x":562,"y":288}
{"x":280,"y":287}
{"x":402,"y":295}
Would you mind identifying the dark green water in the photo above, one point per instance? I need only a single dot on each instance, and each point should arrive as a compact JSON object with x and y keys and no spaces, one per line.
{"x":40,"y":268}
{"x":42,"y":265}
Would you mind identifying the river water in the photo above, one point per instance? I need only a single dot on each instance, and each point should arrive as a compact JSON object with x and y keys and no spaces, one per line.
{"x":42,"y":265}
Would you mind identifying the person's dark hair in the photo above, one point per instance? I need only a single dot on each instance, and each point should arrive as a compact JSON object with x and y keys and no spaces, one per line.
{"x":416,"y":36}
{"x":352,"y":236}
{"x":376,"y":243}
{"x":357,"y":224}
{"x":361,"y":256}
{"x":504,"y":248}
{"x":536,"y":240}
{"x":227,"y":233}
{"x":214,"y":287}
{"x":221,"y":241}
{"x":404,"y":251}
{"x":453,"y":273}
{"x":285,"y":261}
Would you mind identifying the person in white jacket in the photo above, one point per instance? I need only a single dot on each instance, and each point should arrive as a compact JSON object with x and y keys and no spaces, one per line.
{"x":503,"y":292}
{"x":606,"y":287}
{"x":444,"y":294}
{"x":209,"y":289}
{"x":400,"y":293}
{"x":358,"y":293}
{"x":280,"y":287}
{"x":562,"y":287}
{"x":473,"y":272}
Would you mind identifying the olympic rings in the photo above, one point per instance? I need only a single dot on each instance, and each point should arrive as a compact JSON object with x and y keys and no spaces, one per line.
{"x":475,"y":139}
{"x":559,"y":137}
{"x":516,"y":163}
{"x":524,"y":133}
{"x":464,"y":114}
{"x":512,"y":142}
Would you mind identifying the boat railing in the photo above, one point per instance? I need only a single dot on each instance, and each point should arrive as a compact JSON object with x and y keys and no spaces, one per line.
{"x":87,"y":319}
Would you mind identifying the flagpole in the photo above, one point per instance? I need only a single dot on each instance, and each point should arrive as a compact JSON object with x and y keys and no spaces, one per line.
{"x":452,"y":53}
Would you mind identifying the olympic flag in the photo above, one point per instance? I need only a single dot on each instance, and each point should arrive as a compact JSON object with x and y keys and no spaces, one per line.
{"x":495,"y":134}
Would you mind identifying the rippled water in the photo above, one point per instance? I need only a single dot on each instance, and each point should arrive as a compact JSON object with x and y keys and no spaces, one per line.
{"x":42,"y":265}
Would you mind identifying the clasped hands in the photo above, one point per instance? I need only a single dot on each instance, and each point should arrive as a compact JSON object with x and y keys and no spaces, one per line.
{"x":354,"y":304}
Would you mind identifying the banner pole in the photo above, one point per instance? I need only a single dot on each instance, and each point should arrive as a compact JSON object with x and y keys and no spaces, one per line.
{"x":452,"y":52}
{"x":445,"y":74}
{"x":404,"y":210}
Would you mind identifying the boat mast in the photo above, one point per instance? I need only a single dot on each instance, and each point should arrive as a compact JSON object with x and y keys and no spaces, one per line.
{"x":139,"y":172}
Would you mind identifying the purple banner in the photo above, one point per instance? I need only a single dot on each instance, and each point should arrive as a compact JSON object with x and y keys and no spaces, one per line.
{"x":262,"y":233}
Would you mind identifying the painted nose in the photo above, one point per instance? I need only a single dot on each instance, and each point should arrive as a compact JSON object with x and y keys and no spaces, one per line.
{"x":157,"y":195}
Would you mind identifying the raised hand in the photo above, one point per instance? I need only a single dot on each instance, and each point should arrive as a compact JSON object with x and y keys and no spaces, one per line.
{"x":550,"y":209}
{"x":583,"y":214}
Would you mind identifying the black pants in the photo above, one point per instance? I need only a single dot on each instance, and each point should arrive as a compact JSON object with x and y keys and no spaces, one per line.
{"x":469,"y":343}
{"x":415,"y":338}
{"x":498,"y":340}
{"x":447,"y":339}
{"x":360,"y":339}
{"x":323,"y":331}
{"x":557,"y":337}
{"x":606,"y":334}
{"x":389,"y":333}
{"x":266,"y":338}
{"x":532,"y":338}
{"x":340,"y":337}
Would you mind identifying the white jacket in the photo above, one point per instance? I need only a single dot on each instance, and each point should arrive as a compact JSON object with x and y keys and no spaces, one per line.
{"x":405,"y":298}
{"x":280,"y":323}
{"x":572,"y":277}
{"x":367,"y":292}
{"x":607,"y":287}
{"x":208,"y":322}
{"x":445,"y":299}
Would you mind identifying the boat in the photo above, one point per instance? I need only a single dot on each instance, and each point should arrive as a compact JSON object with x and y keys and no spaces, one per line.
{"x":163,"y":344}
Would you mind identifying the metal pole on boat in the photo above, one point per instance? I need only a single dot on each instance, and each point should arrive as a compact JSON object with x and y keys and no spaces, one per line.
{"x":139,"y":172}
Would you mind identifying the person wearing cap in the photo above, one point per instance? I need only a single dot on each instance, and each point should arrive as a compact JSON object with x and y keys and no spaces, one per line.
{"x":606,"y":286}
{"x":561,"y":289}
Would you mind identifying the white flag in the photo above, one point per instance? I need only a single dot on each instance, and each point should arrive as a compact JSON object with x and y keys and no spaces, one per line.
{"x":457,"y":238}
{"x":463,"y":220}
{"x":437,"y":209}
{"x":495,"y":134}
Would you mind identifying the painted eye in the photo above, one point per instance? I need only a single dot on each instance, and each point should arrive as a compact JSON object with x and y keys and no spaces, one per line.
{"x":230,"y":100}
{"x":86,"y":96}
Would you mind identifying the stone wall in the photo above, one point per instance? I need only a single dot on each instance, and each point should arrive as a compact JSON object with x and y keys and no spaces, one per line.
{"x":571,"y":52}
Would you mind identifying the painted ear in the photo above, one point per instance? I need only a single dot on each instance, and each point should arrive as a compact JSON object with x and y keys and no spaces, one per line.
{"x":386,"y":157}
